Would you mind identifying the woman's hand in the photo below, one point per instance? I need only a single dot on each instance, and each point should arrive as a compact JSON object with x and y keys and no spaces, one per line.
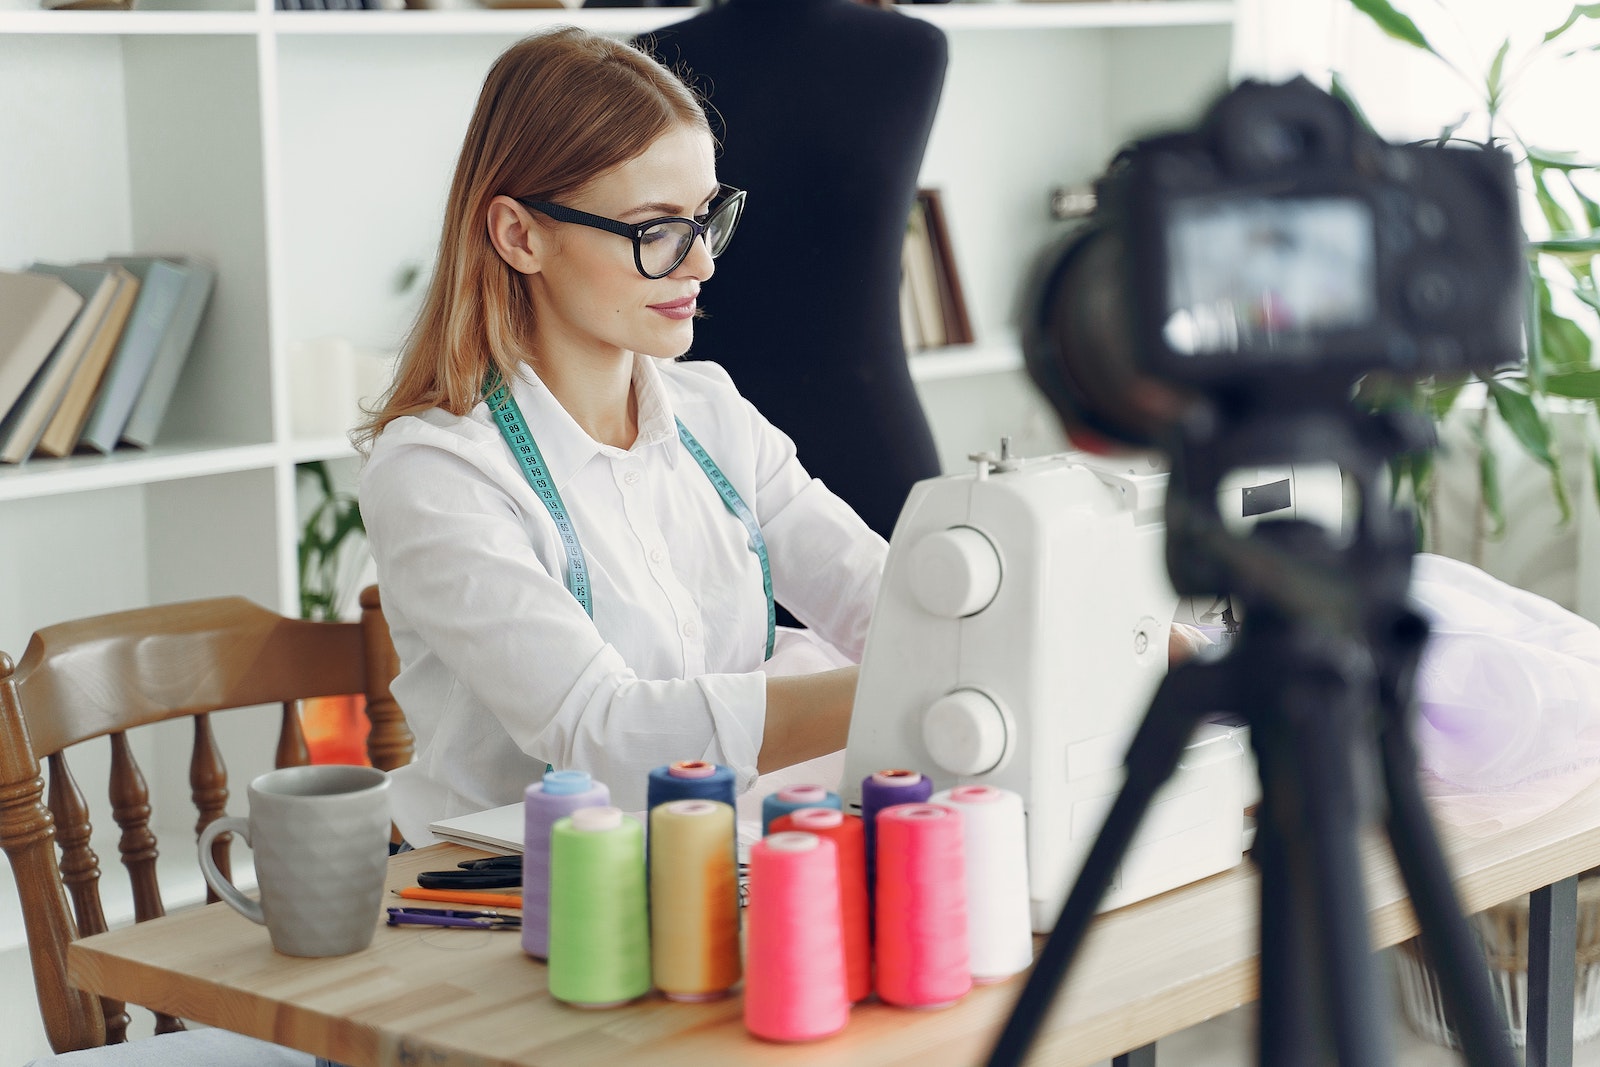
{"x":808,"y":715}
{"x":1184,"y":641}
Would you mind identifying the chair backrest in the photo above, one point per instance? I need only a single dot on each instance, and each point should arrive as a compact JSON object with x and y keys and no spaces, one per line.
{"x":103,"y":676}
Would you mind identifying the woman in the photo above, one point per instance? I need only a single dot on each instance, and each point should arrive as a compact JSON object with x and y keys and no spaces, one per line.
{"x":566,"y":573}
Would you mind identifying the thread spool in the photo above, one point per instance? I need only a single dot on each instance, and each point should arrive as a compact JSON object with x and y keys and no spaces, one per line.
{"x":921,"y":907}
{"x":557,"y":794}
{"x":882,"y":790}
{"x":599,"y":919}
{"x":995,"y":851}
{"x":793,"y":798}
{"x":848,"y":837}
{"x":694,"y":900}
{"x":794,"y":987}
{"x":690,"y":780}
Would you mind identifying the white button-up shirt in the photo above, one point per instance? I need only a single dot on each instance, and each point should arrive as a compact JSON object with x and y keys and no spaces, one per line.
{"x":502,"y":671}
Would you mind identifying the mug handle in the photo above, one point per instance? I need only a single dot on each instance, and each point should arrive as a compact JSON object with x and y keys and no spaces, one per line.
{"x":225,"y":889}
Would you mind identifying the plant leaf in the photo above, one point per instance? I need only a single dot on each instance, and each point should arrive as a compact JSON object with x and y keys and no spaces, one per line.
{"x":1559,"y":160}
{"x":1341,"y":92}
{"x":1523,"y":420}
{"x":1579,"y":11}
{"x":1568,"y":244}
{"x":1554,"y":214}
{"x":1392,"y":22}
{"x":1496,"y":70}
{"x":1580,"y":385}
{"x":1489,"y":482}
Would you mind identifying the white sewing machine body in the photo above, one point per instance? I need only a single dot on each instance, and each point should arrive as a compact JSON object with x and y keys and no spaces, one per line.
{"x":1020,"y":632}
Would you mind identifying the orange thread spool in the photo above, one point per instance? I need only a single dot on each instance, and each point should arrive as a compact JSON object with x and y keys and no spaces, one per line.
{"x":849,"y":837}
{"x":794,"y":987}
{"x":921,"y":907}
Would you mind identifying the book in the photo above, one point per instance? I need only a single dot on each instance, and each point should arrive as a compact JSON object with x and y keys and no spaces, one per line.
{"x":160,"y":287}
{"x":61,"y":434}
{"x":36,"y":310}
{"x":22,"y":427}
{"x":918,"y":271}
{"x":144,"y":422}
{"x":952,"y":297}
{"x":498,"y":830}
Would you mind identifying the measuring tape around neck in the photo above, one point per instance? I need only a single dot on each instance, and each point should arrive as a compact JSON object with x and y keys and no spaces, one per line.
{"x":514,"y":429}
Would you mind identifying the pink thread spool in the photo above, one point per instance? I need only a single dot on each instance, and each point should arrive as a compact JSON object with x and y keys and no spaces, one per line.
{"x":794,"y":988}
{"x":921,"y":907}
{"x":846,"y":833}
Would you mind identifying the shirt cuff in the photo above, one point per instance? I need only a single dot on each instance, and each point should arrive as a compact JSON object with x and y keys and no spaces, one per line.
{"x":738,"y":707}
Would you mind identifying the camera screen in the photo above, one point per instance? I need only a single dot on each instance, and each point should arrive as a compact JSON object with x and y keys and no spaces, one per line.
{"x":1259,"y":275}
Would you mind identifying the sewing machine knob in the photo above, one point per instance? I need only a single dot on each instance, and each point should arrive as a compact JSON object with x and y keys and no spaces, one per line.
{"x":954,"y":572}
{"x":965,"y":732}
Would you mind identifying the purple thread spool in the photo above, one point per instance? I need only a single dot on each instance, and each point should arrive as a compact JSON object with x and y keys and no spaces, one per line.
{"x":558,"y":795}
{"x":884,"y":790}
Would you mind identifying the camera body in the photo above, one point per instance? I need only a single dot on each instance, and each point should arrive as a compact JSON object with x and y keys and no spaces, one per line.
{"x":1278,"y":243}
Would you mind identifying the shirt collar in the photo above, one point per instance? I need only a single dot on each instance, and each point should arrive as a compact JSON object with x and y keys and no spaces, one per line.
{"x":567,"y":448}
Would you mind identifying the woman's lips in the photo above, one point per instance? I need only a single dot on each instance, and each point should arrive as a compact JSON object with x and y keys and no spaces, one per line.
{"x":676,"y":309}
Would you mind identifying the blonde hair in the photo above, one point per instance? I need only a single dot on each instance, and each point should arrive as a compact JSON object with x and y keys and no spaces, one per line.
{"x":556,"y":111}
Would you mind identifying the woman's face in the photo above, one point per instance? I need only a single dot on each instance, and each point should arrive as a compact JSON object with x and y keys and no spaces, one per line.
{"x":587,"y":294}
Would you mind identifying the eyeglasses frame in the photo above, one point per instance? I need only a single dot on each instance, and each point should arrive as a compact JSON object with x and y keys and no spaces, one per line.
{"x":635,"y":231}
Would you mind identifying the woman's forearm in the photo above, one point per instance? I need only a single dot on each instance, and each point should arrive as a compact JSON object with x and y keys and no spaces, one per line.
{"x":808,"y":715}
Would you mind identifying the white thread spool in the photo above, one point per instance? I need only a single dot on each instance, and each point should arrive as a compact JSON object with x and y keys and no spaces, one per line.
{"x":994,"y":834}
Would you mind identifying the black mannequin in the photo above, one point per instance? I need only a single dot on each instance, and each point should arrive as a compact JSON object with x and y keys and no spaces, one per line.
{"x":822,"y":110}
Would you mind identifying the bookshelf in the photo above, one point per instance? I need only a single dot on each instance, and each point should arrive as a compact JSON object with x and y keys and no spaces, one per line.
{"x":305,"y":154}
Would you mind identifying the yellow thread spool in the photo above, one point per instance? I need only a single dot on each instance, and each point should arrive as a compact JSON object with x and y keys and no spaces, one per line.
{"x":694,"y":900}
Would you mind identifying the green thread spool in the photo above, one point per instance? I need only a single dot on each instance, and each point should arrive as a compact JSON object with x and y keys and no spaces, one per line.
{"x":599,"y":913}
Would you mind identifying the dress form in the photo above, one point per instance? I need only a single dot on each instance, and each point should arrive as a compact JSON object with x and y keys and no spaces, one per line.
{"x":822,"y":110}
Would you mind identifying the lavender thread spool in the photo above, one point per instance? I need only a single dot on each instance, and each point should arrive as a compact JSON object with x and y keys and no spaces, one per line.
{"x":557,"y":795}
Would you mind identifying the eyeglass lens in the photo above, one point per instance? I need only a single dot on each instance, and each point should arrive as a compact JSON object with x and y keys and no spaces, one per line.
{"x":663,"y":247}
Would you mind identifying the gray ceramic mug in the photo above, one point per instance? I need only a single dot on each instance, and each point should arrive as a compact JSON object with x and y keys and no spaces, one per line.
{"x":320,"y":835}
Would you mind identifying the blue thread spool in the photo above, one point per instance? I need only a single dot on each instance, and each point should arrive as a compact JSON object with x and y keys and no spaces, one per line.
{"x":690,"y":780}
{"x":792,"y":798}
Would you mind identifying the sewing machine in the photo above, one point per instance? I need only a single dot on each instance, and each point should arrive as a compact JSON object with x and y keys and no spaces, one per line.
{"x":1020,"y":631}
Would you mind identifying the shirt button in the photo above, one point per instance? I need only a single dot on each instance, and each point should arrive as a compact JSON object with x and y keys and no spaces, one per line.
{"x":690,"y":629}
{"x":656,"y":555}
{"x":632,"y":477}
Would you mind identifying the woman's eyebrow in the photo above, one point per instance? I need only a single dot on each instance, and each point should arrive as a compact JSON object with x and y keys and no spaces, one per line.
{"x":662,"y":208}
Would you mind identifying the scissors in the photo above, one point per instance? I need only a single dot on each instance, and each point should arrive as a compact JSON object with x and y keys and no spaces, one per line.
{"x":481,"y":920}
{"x":497,"y":872}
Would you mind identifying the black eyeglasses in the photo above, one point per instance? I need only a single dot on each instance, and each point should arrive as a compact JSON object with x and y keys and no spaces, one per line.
{"x":660,"y":245}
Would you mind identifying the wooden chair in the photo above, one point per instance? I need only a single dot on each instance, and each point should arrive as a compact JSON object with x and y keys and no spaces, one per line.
{"x":101,"y":677}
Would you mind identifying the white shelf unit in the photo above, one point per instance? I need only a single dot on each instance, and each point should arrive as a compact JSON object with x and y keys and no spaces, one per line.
{"x":307,"y":154}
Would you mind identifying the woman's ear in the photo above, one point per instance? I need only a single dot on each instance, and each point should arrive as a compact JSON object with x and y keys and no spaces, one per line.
{"x":515,"y":235}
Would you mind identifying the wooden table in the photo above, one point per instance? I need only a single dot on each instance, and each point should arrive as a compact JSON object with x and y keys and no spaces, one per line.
{"x":469,"y":998}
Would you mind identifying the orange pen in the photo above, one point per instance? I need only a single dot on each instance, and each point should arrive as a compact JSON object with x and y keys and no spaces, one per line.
{"x":480,"y":897}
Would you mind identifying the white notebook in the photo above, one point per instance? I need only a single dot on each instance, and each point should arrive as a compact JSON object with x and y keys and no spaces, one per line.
{"x":497,"y":830}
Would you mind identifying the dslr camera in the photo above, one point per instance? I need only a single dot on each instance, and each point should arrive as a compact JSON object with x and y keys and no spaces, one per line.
{"x":1271,"y":256}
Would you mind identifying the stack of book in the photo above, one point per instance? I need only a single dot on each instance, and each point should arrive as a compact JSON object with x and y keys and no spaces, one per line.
{"x":933,"y":309}
{"x":90,"y":352}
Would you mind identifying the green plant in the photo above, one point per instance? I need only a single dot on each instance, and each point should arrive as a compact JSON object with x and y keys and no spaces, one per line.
{"x":1560,"y":365}
{"x":326,"y":544}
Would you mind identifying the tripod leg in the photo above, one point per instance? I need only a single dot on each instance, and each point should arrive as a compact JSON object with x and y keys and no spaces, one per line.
{"x":1313,"y":893}
{"x":1447,"y":942}
{"x":1284,"y":1021}
{"x":1152,"y":757}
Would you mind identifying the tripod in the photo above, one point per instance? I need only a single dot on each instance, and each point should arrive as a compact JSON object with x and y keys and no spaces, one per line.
{"x":1322,"y":670}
